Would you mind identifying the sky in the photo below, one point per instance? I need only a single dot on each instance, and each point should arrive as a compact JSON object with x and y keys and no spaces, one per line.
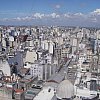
{"x":50,"y":12}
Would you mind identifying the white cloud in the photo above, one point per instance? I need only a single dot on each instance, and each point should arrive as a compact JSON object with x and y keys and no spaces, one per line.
{"x":38,"y":15}
{"x":91,"y":17}
{"x":18,"y":18}
{"x":79,"y":14}
{"x":96,"y":12}
{"x":27,"y":18}
{"x":67,"y":15}
{"x":57,"y":6}
{"x":50,"y":16}
{"x":54,"y":15}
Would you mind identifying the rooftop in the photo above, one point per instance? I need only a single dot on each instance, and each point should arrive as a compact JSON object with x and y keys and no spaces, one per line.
{"x":46,"y":94}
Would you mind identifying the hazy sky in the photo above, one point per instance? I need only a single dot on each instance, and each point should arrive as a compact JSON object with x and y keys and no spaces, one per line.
{"x":50,"y":12}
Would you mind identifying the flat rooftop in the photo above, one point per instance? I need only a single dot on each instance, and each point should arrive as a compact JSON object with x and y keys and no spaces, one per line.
{"x":46,"y":94}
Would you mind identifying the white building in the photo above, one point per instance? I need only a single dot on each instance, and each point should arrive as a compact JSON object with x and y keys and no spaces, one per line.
{"x":42,"y":70}
{"x":48,"y":45}
{"x":37,"y":70}
{"x":11,"y":41}
{"x":98,"y":34}
{"x":31,"y":57}
{"x":3,"y":42}
{"x":5,"y":67}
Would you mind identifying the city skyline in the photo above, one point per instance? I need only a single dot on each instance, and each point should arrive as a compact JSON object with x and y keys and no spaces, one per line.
{"x":50,"y":12}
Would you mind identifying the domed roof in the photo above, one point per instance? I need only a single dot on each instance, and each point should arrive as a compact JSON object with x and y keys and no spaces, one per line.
{"x":65,"y":89}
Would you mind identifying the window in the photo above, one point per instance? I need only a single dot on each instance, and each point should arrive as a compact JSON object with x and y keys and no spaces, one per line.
{"x":25,"y":64}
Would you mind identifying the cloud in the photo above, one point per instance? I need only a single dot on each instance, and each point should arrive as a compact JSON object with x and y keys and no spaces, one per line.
{"x":18,"y":19}
{"x":96,"y":12}
{"x":54,"y":15}
{"x":91,"y":18}
{"x":4,"y":19}
{"x":38,"y":15}
{"x":57,"y":6}
{"x":67,"y":15}
{"x":94,"y":20}
{"x":79,"y":14}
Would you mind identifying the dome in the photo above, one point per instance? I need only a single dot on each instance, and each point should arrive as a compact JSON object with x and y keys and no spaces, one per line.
{"x":65,"y":90}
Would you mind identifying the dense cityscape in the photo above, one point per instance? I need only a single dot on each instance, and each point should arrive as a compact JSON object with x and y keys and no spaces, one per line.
{"x":49,"y":63}
{"x":49,"y":49}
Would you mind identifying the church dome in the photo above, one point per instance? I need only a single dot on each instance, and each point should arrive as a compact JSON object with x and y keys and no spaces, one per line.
{"x":65,"y":90}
